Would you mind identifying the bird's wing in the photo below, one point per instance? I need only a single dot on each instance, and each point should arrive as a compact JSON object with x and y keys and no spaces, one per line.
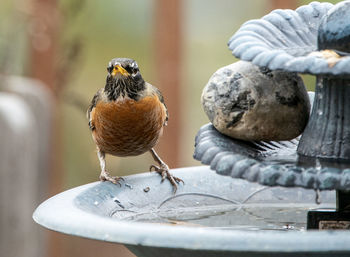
{"x":161,"y":99}
{"x":92,"y":105}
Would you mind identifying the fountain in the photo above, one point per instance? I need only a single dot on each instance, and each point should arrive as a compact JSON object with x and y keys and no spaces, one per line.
{"x":297,"y":42}
{"x":216,"y":215}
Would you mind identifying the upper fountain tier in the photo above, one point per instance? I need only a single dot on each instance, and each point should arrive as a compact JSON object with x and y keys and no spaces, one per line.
{"x":288,"y":40}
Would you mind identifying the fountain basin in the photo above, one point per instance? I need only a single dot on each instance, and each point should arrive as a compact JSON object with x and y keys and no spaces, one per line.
{"x":211,"y":215}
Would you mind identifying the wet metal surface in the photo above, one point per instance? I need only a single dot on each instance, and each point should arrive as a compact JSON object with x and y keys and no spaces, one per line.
{"x":211,"y":215}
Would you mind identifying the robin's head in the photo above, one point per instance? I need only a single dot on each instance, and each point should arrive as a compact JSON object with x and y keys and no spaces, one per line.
{"x":123,"y":78}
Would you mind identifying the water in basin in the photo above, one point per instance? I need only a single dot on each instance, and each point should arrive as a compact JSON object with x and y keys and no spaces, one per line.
{"x":206,"y":200}
{"x":233,"y":216}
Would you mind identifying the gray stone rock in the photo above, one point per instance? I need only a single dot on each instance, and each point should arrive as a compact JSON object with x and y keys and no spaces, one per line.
{"x":246,"y":102}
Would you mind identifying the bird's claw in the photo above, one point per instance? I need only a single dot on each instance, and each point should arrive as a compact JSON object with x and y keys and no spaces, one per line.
{"x":153,"y":168}
{"x":163,"y":170}
{"x":104,"y":176}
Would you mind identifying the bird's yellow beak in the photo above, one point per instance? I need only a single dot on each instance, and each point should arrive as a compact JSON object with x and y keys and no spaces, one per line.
{"x":119,"y":69}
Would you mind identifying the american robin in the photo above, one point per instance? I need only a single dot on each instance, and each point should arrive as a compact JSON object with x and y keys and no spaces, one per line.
{"x":127,"y":117}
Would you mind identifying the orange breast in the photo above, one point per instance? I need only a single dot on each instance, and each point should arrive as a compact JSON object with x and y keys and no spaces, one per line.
{"x":128,"y":127}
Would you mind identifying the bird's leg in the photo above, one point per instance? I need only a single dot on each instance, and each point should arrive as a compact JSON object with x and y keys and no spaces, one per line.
{"x":163,"y":170}
{"x":105,"y":176}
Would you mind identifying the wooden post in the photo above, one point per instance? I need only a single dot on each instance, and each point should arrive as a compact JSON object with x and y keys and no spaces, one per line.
{"x":43,"y":37}
{"x":17,"y":178}
{"x":167,"y":43}
{"x":25,"y":123}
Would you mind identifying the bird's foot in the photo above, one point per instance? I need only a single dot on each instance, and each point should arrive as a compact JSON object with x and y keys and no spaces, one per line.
{"x":105,"y":176}
{"x":163,"y":170}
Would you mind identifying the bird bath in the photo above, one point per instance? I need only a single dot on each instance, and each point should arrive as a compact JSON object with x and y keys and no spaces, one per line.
{"x":211,"y":215}
{"x":215,"y":215}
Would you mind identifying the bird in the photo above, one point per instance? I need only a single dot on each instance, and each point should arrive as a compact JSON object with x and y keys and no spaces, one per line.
{"x":127,"y":117}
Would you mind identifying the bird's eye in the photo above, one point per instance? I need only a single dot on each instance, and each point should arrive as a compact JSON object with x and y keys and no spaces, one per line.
{"x":127,"y":68}
{"x":131,"y":69}
{"x":135,"y":70}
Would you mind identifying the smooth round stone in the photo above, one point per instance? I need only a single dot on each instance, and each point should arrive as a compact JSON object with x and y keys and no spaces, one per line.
{"x":246,"y":102}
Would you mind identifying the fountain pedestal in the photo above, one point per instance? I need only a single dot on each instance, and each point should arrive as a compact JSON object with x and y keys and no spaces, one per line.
{"x":327,"y":134}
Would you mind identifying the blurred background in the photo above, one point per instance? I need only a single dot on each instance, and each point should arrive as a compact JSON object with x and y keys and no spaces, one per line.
{"x":53,"y":58}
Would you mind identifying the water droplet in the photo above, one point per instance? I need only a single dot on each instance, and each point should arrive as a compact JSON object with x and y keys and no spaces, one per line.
{"x":197,"y":203}
{"x":318,"y":196}
{"x":320,"y":113}
{"x":96,"y":203}
{"x":320,"y":96}
{"x":318,"y":165}
{"x":288,"y":226}
{"x":117,"y":201}
{"x":320,"y":83}
{"x":128,"y":185}
{"x":318,"y":168}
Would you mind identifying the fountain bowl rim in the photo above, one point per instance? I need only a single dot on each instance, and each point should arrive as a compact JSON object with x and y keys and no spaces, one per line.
{"x":59,"y":213}
{"x":256,"y":41}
